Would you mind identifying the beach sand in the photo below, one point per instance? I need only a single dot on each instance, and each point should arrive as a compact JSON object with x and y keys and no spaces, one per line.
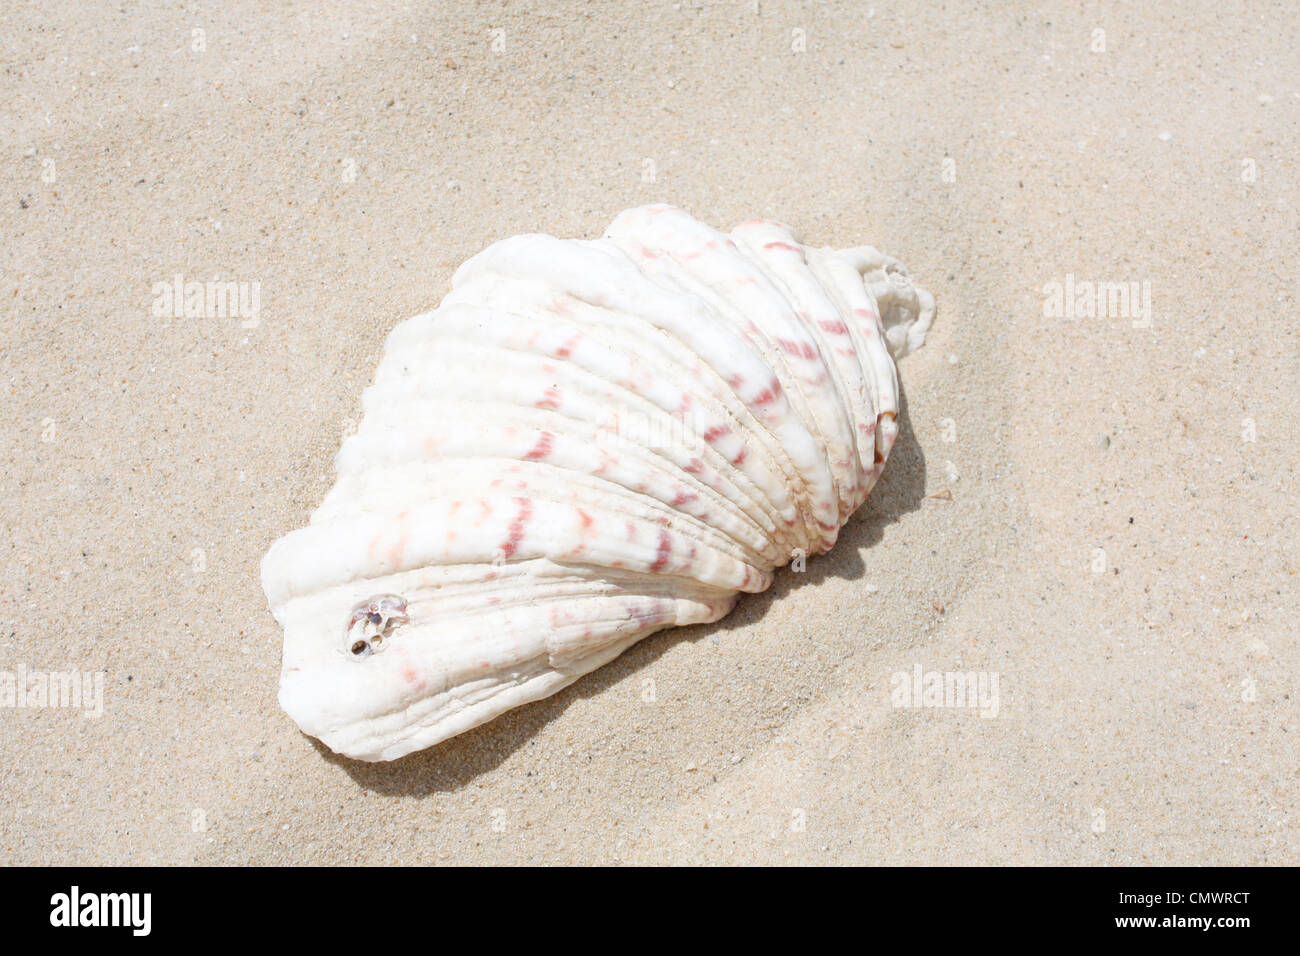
{"x":1097,"y":511}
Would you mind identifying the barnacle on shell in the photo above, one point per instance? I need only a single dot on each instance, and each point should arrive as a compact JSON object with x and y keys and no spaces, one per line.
{"x":586,"y":442}
{"x":370,"y":622}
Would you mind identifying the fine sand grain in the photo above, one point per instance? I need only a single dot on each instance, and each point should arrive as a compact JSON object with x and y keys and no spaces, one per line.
{"x":1098,"y":510}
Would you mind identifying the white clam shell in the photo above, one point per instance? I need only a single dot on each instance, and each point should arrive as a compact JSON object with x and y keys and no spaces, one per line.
{"x":586,"y":442}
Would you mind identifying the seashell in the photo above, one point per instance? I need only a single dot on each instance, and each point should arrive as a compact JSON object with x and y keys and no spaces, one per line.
{"x":586,"y":442}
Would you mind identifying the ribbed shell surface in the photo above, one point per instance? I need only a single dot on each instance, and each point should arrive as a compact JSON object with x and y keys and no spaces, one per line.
{"x":586,"y":442}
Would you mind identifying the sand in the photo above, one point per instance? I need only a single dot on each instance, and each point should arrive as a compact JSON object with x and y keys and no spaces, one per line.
{"x":1098,"y":510}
